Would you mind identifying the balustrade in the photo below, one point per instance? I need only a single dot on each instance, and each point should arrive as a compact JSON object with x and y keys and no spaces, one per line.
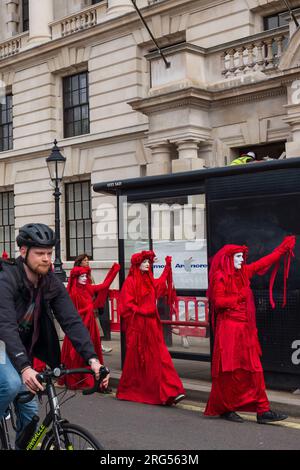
{"x":78,"y":22}
{"x":13,"y":45}
{"x":262,"y":54}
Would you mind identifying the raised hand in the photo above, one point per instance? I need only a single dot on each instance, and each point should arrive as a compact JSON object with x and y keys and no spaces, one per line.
{"x":287,"y":244}
{"x":168,"y":260}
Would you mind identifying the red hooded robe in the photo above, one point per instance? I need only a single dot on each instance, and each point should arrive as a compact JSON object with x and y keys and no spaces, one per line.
{"x":86,"y":299}
{"x":237,"y":374}
{"x":148,"y":374}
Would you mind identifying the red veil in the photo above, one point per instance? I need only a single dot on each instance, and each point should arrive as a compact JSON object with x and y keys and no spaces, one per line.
{"x":148,"y":374}
{"x":77,"y":292}
{"x":97,"y":293}
{"x":222,"y":268}
{"x":86,"y":299}
{"x":237,"y":375}
{"x":144,"y":282}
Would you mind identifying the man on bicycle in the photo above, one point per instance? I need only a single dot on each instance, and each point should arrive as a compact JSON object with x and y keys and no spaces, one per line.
{"x":30,"y":294}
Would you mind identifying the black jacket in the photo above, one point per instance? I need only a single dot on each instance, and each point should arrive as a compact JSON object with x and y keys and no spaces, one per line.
{"x":14,"y":299}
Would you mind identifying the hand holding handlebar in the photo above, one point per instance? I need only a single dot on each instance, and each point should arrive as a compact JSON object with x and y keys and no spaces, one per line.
{"x":103,"y":375}
{"x":29,"y":377}
{"x":45,"y":376}
{"x":96,"y":368}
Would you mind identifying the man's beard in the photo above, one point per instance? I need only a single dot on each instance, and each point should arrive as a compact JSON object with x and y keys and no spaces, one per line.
{"x":40,"y":269}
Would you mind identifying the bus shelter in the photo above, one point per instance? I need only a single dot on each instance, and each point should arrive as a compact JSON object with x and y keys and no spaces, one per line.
{"x":189,"y":216}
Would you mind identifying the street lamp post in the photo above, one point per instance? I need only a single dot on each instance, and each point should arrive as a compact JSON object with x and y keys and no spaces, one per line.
{"x":56,"y":166}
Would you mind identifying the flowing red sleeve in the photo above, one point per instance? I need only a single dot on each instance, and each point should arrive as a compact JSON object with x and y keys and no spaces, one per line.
{"x":101,"y":290}
{"x":285,"y":249}
{"x":160,"y":283}
{"x":164,"y":287}
{"x":262,"y":265}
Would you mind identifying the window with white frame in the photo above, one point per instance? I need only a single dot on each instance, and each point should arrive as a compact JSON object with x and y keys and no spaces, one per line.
{"x":6,"y":124}
{"x":76,"y":105}
{"x":79,"y":233}
{"x":7,"y":223}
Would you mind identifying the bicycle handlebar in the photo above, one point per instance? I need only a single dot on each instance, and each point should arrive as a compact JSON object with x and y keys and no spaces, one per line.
{"x":25,"y":397}
{"x":104,"y":371}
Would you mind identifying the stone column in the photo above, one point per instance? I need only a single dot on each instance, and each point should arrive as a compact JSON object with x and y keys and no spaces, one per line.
{"x":12,"y":17}
{"x":40,"y":15}
{"x":119,"y":7}
{"x":205,"y":153}
{"x":188,"y":158}
{"x":161,"y":160}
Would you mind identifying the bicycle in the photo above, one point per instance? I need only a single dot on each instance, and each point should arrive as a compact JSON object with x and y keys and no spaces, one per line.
{"x":54,"y":433}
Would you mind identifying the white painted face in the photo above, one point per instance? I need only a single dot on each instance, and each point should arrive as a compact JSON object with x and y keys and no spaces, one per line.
{"x":145,"y":265}
{"x":83,"y":279}
{"x":238,"y":259}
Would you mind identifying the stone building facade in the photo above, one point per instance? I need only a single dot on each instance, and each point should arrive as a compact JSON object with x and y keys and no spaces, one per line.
{"x":87,"y":74}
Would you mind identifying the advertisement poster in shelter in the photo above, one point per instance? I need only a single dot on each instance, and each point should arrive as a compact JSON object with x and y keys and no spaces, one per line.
{"x":189,"y":262}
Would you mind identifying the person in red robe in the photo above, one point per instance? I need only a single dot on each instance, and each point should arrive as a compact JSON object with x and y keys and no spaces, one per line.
{"x":148,"y":374}
{"x":237,"y":374}
{"x":86,"y":297}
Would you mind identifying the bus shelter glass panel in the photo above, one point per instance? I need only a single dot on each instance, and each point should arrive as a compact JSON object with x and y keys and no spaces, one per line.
{"x":176,"y":227}
{"x":136,"y":229}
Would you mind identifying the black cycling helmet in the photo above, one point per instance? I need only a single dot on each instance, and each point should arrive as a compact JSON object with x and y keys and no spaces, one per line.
{"x":36,"y":235}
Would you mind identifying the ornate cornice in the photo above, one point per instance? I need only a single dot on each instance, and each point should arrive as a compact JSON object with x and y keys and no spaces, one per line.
{"x":184,"y":47}
{"x":266,"y":7}
{"x":206,"y":99}
{"x":189,"y":97}
{"x":249,"y":97}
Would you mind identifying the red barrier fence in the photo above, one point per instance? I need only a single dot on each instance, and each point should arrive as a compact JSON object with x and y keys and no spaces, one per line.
{"x":191,"y":318}
{"x":113,"y":308}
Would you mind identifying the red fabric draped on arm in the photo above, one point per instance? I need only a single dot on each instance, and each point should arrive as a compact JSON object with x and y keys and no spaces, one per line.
{"x":285,"y":249}
{"x":164,"y":286}
{"x":101,"y":290}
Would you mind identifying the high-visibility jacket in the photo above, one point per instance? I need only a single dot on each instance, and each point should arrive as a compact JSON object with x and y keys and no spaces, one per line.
{"x":241,"y":160}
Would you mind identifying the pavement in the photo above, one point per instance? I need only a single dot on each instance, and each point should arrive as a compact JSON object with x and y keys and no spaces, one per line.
{"x":195,"y":375}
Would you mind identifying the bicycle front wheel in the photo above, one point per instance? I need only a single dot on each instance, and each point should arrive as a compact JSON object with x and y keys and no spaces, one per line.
{"x":72,"y":437}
